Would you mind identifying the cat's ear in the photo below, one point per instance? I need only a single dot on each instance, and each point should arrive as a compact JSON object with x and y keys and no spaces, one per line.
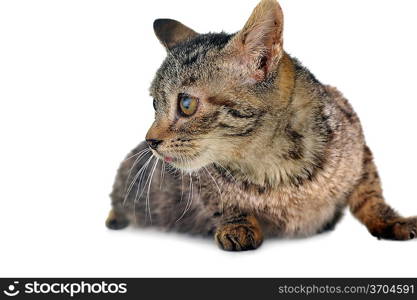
{"x":259,"y":45}
{"x":170,"y":32}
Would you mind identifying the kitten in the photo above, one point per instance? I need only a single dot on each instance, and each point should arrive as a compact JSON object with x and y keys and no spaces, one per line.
{"x":247,"y":143}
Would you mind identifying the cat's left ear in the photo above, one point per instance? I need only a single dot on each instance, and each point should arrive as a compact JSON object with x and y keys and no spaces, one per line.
{"x":259,"y":45}
{"x":170,"y":32}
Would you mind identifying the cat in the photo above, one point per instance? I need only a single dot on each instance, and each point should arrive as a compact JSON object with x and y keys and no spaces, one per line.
{"x":248,"y":144}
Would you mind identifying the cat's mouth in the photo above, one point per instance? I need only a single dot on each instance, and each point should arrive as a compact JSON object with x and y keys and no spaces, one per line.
{"x":182,"y":162}
{"x":169,"y":159}
{"x":191,"y":162}
{"x":165,"y":157}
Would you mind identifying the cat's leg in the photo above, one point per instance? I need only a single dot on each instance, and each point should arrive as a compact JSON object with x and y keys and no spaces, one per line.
{"x":368,"y":205}
{"x":238,"y":232}
{"x":118,"y":217}
{"x":116,"y":220}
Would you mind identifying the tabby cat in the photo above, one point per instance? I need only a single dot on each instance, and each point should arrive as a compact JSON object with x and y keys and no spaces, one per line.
{"x":247,"y":143}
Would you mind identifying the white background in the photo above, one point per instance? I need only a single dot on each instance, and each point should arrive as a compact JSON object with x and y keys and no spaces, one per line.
{"x":74,"y":78}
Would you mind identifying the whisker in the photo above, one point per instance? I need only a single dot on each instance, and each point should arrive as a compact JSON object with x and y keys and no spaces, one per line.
{"x":148,"y":204}
{"x":134,"y":179}
{"x":140,"y":181}
{"x":142,"y":155}
{"x":199,"y":183}
{"x":140,"y":152}
{"x":190,"y":197}
{"x":162,"y":174}
{"x":182,"y":183}
{"x":139,"y":184}
{"x":228,"y":172}
{"x":220,"y":193}
{"x":138,"y":196}
{"x":189,"y":201}
{"x":147,"y":180}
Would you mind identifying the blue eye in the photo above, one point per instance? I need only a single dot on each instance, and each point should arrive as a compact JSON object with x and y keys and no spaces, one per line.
{"x":187,"y":105}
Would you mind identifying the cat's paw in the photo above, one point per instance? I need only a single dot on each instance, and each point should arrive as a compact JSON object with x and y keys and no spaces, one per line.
{"x":402,"y":229}
{"x":116,"y":221}
{"x":239,"y":236}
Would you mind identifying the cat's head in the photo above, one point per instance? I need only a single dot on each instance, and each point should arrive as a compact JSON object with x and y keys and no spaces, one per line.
{"x":212,"y":94}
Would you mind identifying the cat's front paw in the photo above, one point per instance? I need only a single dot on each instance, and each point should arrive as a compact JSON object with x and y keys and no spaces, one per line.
{"x":239,"y":236}
{"x":116,"y":221}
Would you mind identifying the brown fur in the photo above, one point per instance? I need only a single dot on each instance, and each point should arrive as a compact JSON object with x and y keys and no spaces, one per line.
{"x":239,"y":233}
{"x":270,"y":151}
{"x":367,"y":204}
{"x":165,"y":27}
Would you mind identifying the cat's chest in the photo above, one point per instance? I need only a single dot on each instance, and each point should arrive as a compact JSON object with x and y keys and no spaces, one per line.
{"x":260,"y":199}
{"x":326,"y":189}
{"x":292,"y":199}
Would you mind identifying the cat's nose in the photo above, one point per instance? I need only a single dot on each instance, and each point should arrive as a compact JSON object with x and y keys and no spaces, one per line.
{"x":153,"y":143}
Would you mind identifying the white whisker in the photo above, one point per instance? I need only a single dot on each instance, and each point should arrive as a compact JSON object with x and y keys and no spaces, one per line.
{"x":140,"y":152}
{"x":162,"y":174}
{"x":142,"y":155}
{"x":145,"y":168}
{"x":220,"y":192}
{"x":140,"y":181}
{"x":182,"y":183}
{"x":134,"y":179}
{"x":228,"y":172}
{"x":148,"y":204}
{"x":190,"y":199}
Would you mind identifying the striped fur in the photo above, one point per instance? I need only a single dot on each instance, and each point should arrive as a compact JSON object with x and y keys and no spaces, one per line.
{"x":269,"y":150}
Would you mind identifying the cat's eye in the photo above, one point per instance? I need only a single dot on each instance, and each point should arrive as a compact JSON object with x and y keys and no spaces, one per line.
{"x":187,"y":105}
{"x":154,"y":104}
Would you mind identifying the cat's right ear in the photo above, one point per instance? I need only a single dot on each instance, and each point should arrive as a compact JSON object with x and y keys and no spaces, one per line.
{"x":171,"y":32}
{"x":258,"y":47}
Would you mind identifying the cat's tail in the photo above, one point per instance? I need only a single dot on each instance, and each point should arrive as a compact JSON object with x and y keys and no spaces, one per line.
{"x":367,"y":204}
